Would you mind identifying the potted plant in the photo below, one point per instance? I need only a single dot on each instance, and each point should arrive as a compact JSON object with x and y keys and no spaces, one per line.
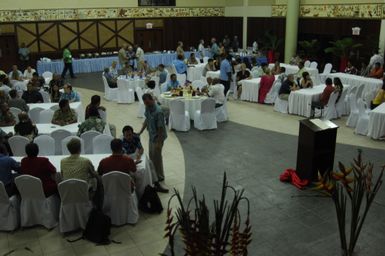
{"x":357,"y":185}
{"x":342,"y":49}
{"x":271,"y":45}
{"x":309,"y":48}
{"x":226,"y":234}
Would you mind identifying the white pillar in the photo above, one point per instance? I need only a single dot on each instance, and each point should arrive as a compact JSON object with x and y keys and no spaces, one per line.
{"x":381,"y":41}
{"x":291,"y":29}
{"x":244,"y":30}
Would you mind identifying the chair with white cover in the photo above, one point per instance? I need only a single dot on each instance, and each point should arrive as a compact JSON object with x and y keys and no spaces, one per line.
{"x":34,"y":114}
{"x":101,"y":144}
{"x":58,"y":136}
{"x":350,"y":91}
{"x":205,"y":119}
{"x":198,"y":84}
{"x":155,"y":79}
{"x":330,"y":109}
{"x":181,"y":78}
{"x":163,"y":87}
{"x":363,"y":118}
{"x":327,"y":70}
{"x":179,"y":118}
{"x":103,"y":115}
{"x":221,"y":112}
{"x":45,"y":95}
{"x":46,"y":145}
{"x":17,"y":144}
{"x":46,"y":116}
{"x":64,"y":142}
{"x":341,"y":106}
{"x":9,"y":210}
{"x":75,"y":205}
{"x":15,"y":112}
{"x":47,"y":75}
{"x":142,"y":108}
{"x":157,"y":91}
{"x":125,"y":93}
{"x":35,"y":208}
{"x":281,"y":106}
{"x":55,"y":107}
{"x":88,"y":138}
{"x":313,"y":64}
{"x":205,"y":59}
{"x":307,"y":64}
{"x":273,"y":93}
{"x":110,"y":94}
{"x":359,"y":92}
{"x":353,"y":116}
{"x":120,"y":203}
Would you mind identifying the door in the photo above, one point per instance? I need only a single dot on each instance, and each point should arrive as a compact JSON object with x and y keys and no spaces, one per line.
{"x":8,"y":52}
{"x":150,"y":39}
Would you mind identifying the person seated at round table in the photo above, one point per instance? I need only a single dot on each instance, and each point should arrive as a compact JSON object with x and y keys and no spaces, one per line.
{"x":162,"y":74}
{"x":132,"y":145}
{"x":282,"y":74}
{"x":324,"y":97}
{"x":259,"y":71}
{"x":5,"y":88}
{"x":192,"y":60}
{"x":173,"y":83}
{"x":350,"y":69}
{"x":37,"y":81}
{"x":6,"y":117}
{"x":242,"y":75}
{"x":32,"y":95}
{"x":55,"y":93}
{"x":377,"y":71}
{"x":95,"y":102}
{"x":15,"y":74}
{"x":16,"y":102}
{"x":64,"y":115}
{"x":180,"y":65}
{"x":306,"y":81}
{"x":69,"y":94}
{"x":216,"y":91}
{"x":338,"y":87}
{"x":301,"y":69}
{"x":113,"y":70}
{"x":265,"y":85}
{"x":28,"y":73}
{"x":25,"y":127}
{"x":58,"y":80}
{"x":39,"y":167}
{"x":287,"y":87}
{"x":93,"y":123}
{"x":380,"y":97}
{"x":7,"y":166}
{"x":210,"y":66}
{"x":276,"y":69}
{"x":112,"y":81}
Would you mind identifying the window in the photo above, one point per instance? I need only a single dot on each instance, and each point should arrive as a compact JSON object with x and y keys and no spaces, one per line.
{"x":156,"y":2}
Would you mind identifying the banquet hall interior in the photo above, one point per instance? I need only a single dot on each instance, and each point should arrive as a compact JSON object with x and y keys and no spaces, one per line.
{"x":192,"y":127}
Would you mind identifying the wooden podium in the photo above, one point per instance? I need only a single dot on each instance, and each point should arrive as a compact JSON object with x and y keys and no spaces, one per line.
{"x":316,"y":148}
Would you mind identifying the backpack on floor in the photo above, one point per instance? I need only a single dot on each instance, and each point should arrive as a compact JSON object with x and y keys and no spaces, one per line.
{"x":98,"y":228}
{"x":150,"y":201}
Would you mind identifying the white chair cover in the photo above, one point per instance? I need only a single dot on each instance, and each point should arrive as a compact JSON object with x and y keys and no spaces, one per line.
{"x":363,"y":119}
{"x":281,"y":106}
{"x":34,"y":114}
{"x":198,"y":84}
{"x":181,"y":78}
{"x":205,"y":59}
{"x":17,"y":144}
{"x":102,"y":143}
{"x":9,"y":210}
{"x":353,"y":116}
{"x":157,"y":91}
{"x":307,"y":64}
{"x":141,"y":108}
{"x":125,"y":93}
{"x":163,"y":87}
{"x":75,"y":205}
{"x":313,"y":64}
{"x":341,"y":105}
{"x":46,"y":116}
{"x":205,"y":119}
{"x":15,"y":112}
{"x":35,"y":208}
{"x":119,"y":202}
{"x":327,"y":70}
{"x":88,"y":138}
{"x":45,"y":96}
{"x":330,"y":109}
{"x":110,"y":94}
{"x":64,"y":142}
{"x":55,"y":107}
{"x":46,"y":145}
{"x":179,"y":118}
{"x":47,"y":75}
{"x":58,"y":136}
{"x":351,"y":90}
{"x":359,"y":92}
{"x":221,"y":112}
{"x":273,"y":93}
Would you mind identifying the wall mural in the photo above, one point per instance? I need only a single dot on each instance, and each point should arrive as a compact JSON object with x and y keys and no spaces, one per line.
{"x":359,"y":11}
{"x":106,"y":13}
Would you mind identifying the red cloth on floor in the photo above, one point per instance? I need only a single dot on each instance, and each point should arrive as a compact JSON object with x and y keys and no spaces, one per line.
{"x":290,"y":175}
{"x":264,"y":87}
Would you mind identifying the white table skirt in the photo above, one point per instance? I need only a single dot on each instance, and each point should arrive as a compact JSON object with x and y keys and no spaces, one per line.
{"x":250,"y":89}
{"x":376,"y":128}
{"x":371,"y":85}
{"x":191,"y":104}
{"x":213,"y":74}
{"x":77,"y":106}
{"x":47,"y":129}
{"x":132,"y":83}
{"x":195,"y":72}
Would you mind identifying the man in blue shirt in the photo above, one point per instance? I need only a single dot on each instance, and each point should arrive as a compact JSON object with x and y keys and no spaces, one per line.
{"x":70,"y":94}
{"x":173,"y":83}
{"x":162,"y":74}
{"x":214,"y":48}
{"x":180,"y":65}
{"x":225,"y":73}
{"x":156,"y":127}
{"x":131,"y":143}
{"x":7,"y":165}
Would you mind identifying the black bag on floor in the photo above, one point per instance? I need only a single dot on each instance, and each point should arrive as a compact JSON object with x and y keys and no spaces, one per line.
{"x":98,"y":228}
{"x":150,"y":201}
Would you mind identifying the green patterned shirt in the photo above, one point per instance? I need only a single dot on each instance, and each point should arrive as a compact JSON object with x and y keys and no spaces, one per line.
{"x":92,"y":124}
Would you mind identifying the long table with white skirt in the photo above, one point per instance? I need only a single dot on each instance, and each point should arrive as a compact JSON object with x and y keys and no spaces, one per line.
{"x":47,"y":129}
{"x":191,"y":104}
{"x":376,"y":128}
{"x":76,"y":106}
{"x":250,"y":89}
{"x":293,"y":69}
{"x":195,"y":72}
{"x":372,"y":85}
{"x":213,"y":74}
{"x":142,"y":177}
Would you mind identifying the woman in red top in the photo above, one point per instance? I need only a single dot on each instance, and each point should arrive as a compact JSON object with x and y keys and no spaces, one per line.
{"x":265,"y":85}
{"x":39,"y":167}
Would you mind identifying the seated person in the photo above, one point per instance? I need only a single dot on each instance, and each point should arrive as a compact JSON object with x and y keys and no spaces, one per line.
{"x":16,"y":102}
{"x":113,"y":70}
{"x":377,"y":71}
{"x":111,"y":80}
{"x":242,"y":75}
{"x":144,"y":69}
{"x":69,"y":94}
{"x":209,"y":81}
{"x":131,"y":143}
{"x":276,"y":69}
{"x":306,"y":81}
{"x":350,"y":69}
{"x":282,"y":75}
{"x":64,"y":115}
{"x":56,"y":79}
{"x":324,"y":97}
{"x":173,"y":83}
{"x":162,"y":74}
{"x":77,"y":167}
{"x":180,"y":65}
{"x":259,"y":71}
{"x":338,"y":87}
{"x":28,"y":72}
{"x":6,"y":117}
{"x":25,"y":127}
{"x":380,"y":97}
{"x":95,"y":102}
{"x":151,"y":89}
{"x":265,"y":85}
{"x":192,"y":60}
{"x":301,"y":69}
{"x":15,"y":74}
{"x":5,"y":88}
{"x":37,"y":81}
{"x":287,"y":87}
{"x":92,"y":123}
{"x":55,"y":93}
{"x":39,"y":167}
{"x":7,"y":165}
{"x":31,"y":95}
{"x":216,"y":91}
{"x":210,"y":66}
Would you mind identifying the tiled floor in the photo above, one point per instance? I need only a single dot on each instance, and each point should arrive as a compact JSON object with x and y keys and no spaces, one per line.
{"x":146,"y":237}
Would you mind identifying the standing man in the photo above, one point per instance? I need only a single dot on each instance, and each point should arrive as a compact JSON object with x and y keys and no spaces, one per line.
{"x":214,"y":48}
{"x":201,"y":49}
{"x":67,"y":59}
{"x":23,"y":55}
{"x":179,"y":49}
{"x":157,"y":132}
{"x":225,"y":73}
{"x":139,"y":56}
{"x":122,"y":56}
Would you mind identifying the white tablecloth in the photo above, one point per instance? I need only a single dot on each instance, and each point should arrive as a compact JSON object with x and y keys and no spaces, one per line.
{"x":132,"y":83}
{"x":48,"y":128}
{"x":195,"y":72}
{"x":191,"y":104}
{"x":250,"y":89}
{"x":77,"y":106}
{"x":371,"y":85}
{"x":292,"y":69}
{"x":376,"y":128}
{"x":213,"y":74}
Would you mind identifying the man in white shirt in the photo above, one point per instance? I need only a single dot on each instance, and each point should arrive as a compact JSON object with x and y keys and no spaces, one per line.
{"x":15,"y":74}
{"x":201,"y":49}
{"x":28,"y":73}
{"x":113,"y":70}
{"x":139,"y":54}
{"x":216,"y":91}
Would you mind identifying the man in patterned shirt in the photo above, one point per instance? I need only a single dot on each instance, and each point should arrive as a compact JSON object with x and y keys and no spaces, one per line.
{"x":92,"y":123}
{"x":64,"y":115}
{"x":131,"y":143}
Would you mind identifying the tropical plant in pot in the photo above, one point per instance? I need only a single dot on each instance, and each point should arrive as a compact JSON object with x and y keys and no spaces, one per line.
{"x":342,"y":49}
{"x":271,"y":44}
{"x":356,"y":186}
{"x":226,"y":234}
{"x":310,"y":48}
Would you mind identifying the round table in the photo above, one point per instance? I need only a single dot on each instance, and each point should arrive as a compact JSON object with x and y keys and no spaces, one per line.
{"x":191,"y":104}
